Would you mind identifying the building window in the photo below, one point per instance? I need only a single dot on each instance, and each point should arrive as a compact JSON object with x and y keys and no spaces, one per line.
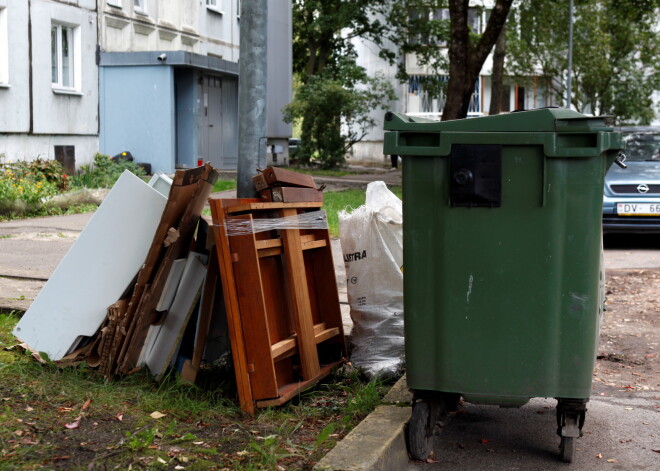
{"x":4,"y":48}
{"x":140,"y":6}
{"x":114,"y":3}
{"x":64,"y":56}
{"x":214,"y":5}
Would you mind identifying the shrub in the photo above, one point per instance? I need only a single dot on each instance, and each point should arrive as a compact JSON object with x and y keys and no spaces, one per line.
{"x":104,"y":172}
{"x":23,"y":185}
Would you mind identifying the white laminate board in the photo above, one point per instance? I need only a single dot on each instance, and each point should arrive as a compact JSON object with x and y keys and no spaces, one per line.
{"x":96,"y":270}
{"x":171,"y":285}
{"x":171,"y":330}
{"x":164,"y":304}
{"x":161,"y":183}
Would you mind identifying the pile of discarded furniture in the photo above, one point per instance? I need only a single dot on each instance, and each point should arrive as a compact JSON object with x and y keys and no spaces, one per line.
{"x":151,"y":283}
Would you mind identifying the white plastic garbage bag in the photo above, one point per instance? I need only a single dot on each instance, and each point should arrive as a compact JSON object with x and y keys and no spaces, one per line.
{"x":372,"y":245}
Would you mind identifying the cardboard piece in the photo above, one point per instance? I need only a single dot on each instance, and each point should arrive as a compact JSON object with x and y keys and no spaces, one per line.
{"x":96,"y":270}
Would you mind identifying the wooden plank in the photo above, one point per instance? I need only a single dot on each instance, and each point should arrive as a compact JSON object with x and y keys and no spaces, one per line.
{"x":291,"y":390}
{"x":266,"y":195}
{"x":277,"y":176}
{"x":299,"y":298}
{"x":314,"y":244}
{"x":318,"y":328}
{"x":268,"y":243}
{"x":234,"y":323}
{"x":288,"y":194}
{"x":259,"y":181}
{"x":251,"y":302}
{"x":290,"y":345}
{"x":326,"y":334}
{"x":272,"y":252}
{"x":282,"y":347}
{"x":259,"y":206}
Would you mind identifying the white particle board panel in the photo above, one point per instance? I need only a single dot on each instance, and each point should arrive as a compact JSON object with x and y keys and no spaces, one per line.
{"x":96,"y":270}
{"x":171,"y":330}
{"x":171,"y":285}
{"x":164,"y":304}
{"x":161,"y":182}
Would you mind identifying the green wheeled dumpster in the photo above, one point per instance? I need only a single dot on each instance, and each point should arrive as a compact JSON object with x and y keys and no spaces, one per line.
{"x":503,"y":288}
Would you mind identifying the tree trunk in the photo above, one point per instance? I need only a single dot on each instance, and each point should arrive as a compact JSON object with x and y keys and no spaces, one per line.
{"x":497,"y":78}
{"x":465,"y":59}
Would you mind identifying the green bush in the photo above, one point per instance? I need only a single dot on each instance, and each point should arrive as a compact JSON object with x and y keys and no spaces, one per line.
{"x":104,"y":172}
{"x":24,"y":185}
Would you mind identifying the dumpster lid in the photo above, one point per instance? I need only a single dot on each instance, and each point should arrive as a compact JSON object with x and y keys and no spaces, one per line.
{"x":539,"y":120}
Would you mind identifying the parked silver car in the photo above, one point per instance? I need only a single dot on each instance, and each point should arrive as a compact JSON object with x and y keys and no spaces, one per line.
{"x":631,"y":201}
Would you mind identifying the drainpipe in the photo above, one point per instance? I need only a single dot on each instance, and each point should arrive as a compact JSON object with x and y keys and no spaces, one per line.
{"x":30,"y":98}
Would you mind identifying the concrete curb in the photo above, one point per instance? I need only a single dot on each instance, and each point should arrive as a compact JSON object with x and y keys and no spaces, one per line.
{"x":378,"y":443}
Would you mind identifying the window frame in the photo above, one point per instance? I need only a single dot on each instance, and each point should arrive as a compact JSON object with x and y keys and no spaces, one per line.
{"x":140,"y":7}
{"x":114,"y":3}
{"x":215,"y":7}
{"x":74,"y":73}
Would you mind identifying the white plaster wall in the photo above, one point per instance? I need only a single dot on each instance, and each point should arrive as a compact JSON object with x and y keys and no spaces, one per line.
{"x":220,"y":29}
{"x":15,"y":96}
{"x":56,"y":113}
{"x":170,"y":25}
{"x":27,"y":147}
{"x":369,"y":151}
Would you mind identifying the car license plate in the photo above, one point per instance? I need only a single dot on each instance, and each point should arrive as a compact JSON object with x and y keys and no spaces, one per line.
{"x":638,"y":209}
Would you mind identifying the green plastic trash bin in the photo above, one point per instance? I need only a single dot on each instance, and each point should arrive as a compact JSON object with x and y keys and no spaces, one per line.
{"x":502,"y":259}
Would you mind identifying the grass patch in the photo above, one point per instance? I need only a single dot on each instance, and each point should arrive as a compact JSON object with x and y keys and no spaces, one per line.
{"x":70,"y":418}
{"x":321,"y":172}
{"x":224,"y":185}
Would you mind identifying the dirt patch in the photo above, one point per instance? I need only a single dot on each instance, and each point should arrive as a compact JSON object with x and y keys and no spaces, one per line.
{"x":628,"y":356}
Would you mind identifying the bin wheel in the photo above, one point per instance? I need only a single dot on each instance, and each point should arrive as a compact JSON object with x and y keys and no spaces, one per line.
{"x":567,"y":449}
{"x":420,"y":431}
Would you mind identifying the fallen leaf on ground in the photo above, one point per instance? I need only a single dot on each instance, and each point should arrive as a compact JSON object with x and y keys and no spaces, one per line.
{"x":86,"y":404}
{"x":611,"y":460}
{"x":483,"y":441}
{"x":74,"y":424}
{"x":157,"y":415}
{"x":599,"y":455}
{"x":119,"y":417}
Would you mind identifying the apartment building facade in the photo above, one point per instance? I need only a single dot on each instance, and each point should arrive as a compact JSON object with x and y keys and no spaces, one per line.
{"x":156,"y":78}
{"x":48,"y":79}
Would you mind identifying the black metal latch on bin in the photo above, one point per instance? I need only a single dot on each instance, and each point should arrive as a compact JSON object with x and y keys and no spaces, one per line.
{"x":475,"y":173}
